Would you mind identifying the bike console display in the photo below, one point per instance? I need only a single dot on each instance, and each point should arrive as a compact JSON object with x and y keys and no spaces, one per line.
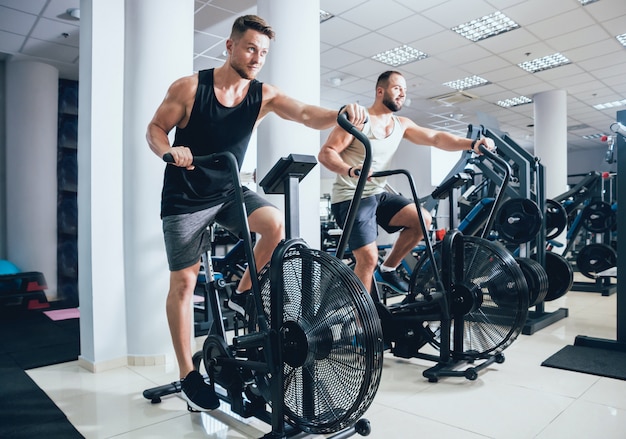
{"x":294,"y":165}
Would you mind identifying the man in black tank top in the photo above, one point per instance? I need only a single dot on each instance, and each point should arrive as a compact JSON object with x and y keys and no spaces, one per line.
{"x":213,"y":111}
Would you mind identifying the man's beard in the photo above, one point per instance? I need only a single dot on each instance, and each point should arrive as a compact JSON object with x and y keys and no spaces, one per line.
{"x":242,"y":72}
{"x":391,"y":104}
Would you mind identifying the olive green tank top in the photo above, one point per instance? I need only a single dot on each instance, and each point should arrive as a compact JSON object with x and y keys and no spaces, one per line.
{"x":354,"y":155}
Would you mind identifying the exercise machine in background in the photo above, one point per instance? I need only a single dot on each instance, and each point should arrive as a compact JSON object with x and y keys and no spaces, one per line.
{"x":524,"y":222}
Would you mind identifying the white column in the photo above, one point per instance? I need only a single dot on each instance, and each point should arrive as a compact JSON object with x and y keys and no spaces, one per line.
{"x":100,"y":186}
{"x":31,"y":173}
{"x":293,"y":65}
{"x":159,"y":50}
{"x":551,"y":138}
{"x":551,"y":141}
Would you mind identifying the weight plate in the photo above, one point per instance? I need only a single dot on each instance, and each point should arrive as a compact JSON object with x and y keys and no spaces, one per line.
{"x":598,"y":217}
{"x":518,"y":220}
{"x":560,"y":275}
{"x":556,"y":219}
{"x":536,"y":278}
{"x":594,"y":258}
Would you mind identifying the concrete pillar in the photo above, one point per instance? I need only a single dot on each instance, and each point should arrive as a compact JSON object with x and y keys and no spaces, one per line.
{"x":154,"y":59}
{"x":124,"y":279}
{"x":101,"y":273}
{"x":31,"y":168}
{"x":551,"y":141}
{"x":551,"y":138}
{"x":293,"y":65}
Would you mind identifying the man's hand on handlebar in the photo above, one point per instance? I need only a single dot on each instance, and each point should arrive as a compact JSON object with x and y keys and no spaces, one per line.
{"x":356,"y":173}
{"x":182,"y":157}
{"x":487,"y":142}
{"x":357,"y":114}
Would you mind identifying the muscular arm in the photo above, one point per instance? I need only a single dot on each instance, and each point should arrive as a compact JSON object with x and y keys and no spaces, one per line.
{"x":330,"y":154}
{"x":439,"y":139}
{"x":173,"y":111}
{"x":312,"y":116}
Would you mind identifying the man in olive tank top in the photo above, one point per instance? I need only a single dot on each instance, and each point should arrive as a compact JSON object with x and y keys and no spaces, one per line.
{"x":344,"y":155}
{"x":213,"y":111}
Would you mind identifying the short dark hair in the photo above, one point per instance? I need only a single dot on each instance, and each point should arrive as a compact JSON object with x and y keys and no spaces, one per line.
{"x":254,"y":22}
{"x":383,"y":78}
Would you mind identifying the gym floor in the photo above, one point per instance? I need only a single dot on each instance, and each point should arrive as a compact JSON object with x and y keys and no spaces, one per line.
{"x":516,"y":399}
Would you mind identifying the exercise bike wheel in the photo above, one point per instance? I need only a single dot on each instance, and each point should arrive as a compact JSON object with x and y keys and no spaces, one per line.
{"x":489,"y":293}
{"x":332,"y":341}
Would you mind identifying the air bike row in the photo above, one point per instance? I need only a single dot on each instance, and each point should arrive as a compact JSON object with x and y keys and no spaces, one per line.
{"x":309,"y":358}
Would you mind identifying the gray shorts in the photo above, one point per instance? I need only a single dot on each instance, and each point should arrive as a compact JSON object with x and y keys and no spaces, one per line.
{"x":187,"y":236}
{"x":374,"y":211}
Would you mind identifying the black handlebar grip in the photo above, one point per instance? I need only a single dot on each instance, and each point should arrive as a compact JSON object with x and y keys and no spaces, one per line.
{"x":168,"y":158}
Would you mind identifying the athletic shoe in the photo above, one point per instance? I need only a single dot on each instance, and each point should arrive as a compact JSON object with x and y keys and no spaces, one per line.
{"x":199,"y":395}
{"x":238,"y":302}
{"x":393,"y":279}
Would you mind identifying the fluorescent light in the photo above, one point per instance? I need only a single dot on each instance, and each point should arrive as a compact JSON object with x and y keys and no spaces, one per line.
{"x":593,"y":136}
{"x":400,"y":55}
{"x":325,"y":16}
{"x":467,"y":83}
{"x":586,"y":2}
{"x":485,"y":27}
{"x":622,"y":39}
{"x":612,"y":104}
{"x":514,"y":102}
{"x":545,"y":63}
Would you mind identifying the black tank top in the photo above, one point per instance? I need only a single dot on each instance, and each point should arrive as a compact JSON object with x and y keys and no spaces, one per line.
{"x":212,"y":128}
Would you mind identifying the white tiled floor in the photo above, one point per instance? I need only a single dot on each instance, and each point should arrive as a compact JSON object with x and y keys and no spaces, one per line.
{"x":516,"y":399}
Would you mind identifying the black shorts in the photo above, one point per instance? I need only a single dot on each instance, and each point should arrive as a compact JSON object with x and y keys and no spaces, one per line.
{"x":187,"y":236}
{"x":374,"y":211}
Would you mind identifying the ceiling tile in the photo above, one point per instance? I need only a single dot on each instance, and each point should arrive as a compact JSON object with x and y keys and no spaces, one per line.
{"x":337,"y":58}
{"x":16,"y":22}
{"x":369,"y":45}
{"x":562,"y":23}
{"x":30,"y":6}
{"x":375,"y":14}
{"x":10,"y":42}
{"x":416,"y":26}
{"x":238,"y":7}
{"x":53,"y":30}
{"x":45,"y":50}
{"x":337,"y":31}
{"x":454,"y":12}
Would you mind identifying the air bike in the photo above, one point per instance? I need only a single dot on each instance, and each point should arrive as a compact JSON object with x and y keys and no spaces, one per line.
{"x":468,"y":297}
{"x":309,"y":359}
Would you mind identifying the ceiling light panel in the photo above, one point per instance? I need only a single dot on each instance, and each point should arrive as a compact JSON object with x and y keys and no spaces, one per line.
{"x":586,"y":2}
{"x":622,"y":39}
{"x":612,"y":104}
{"x":467,"y":83}
{"x":399,"y":56}
{"x":593,"y":136}
{"x":514,"y":102}
{"x":545,"y":63}
{"x":485,"y":27}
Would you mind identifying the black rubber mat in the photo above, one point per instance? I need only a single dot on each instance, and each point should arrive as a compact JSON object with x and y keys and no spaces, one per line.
{"x":590,"y":360}
{"x":27,"y":340}
{"x":32,"y":339}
